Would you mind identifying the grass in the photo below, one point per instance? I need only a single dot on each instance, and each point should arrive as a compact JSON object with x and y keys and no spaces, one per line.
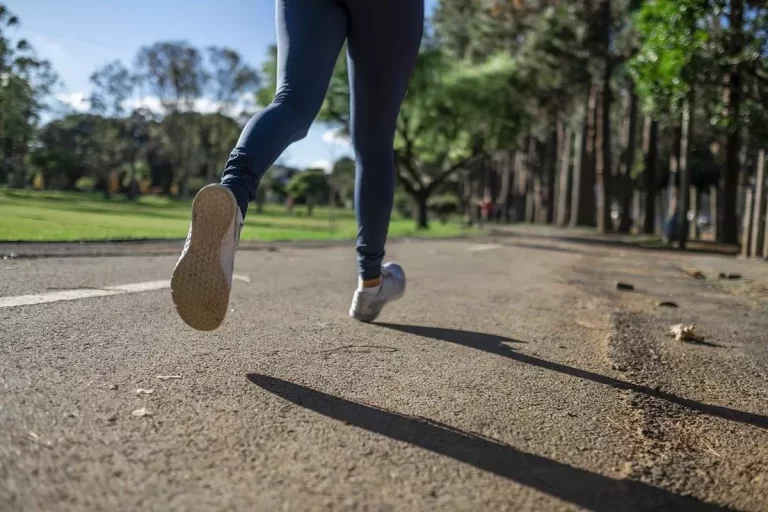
{"x":69,"y":216}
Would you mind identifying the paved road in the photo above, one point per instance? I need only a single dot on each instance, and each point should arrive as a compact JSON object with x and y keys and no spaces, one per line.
{"x":513,"y":376}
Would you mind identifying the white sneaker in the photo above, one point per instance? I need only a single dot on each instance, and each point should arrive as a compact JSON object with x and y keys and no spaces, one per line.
{"x":202,"y":280}
{"x":366,"y":304}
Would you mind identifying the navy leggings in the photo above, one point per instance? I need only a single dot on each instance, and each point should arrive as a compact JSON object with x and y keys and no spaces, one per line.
{"x":383,"y":38}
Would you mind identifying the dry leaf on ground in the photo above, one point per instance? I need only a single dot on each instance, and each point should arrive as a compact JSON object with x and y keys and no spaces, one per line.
{"x":140,"y":413}
{"x":683,"y":332}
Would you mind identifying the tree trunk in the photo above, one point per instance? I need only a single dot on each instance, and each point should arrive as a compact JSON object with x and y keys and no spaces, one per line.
{"x":506,"y":164}
{"x":533,"y":209}
{"x":685,"y":170}
{"x":550,"y":166}
{"x":184,"y":187}
{"x":758,"y":221}
{"x":674,"y":166}
{"x":521,"y":181}
{"x":422,"y":212}
{"x":650,"y":148}
{"x":530,"y":206}
{"x":564,"y":199}
{"x":746,"y":226}
{"x":728,"y":231}
{"x":625,"y":222}
{"x":18,"y":173}
{"x":713,"y":211}
{"x":603,"y":143}
{"x":693,"y":229}
{"x":583,"y":196}
{"x":602,"y":167}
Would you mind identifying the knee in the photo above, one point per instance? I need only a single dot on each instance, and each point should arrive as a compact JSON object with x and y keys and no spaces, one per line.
{"x":302,"y":109}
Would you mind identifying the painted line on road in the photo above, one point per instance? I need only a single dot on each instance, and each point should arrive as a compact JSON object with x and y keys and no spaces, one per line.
{"x":483,"y":247}
{"x":87,"y":293}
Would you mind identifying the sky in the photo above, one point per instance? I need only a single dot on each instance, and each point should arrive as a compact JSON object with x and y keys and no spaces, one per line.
{"x":79,"y":36}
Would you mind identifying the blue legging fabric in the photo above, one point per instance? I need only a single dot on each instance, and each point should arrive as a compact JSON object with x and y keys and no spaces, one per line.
{"x":383,"y":38}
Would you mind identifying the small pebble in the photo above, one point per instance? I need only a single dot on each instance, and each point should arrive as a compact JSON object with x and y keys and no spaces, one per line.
{"x":624,"y":286}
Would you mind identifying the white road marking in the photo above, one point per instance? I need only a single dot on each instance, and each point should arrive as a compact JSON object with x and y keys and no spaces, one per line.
{"x":483,"y":247}
{"x":87,"y":293}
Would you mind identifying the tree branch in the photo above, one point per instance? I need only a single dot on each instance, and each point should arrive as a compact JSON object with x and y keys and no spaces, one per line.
{"x":447,"y":173}
{"x":402,"y":178}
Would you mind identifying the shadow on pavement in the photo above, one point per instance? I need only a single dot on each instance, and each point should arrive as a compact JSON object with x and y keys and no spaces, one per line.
{"x":694,"y":246}
{"x":578,"y":486}
{"x":495,"y":345}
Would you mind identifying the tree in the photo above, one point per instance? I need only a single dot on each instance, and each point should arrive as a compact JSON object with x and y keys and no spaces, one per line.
{"x":113,"y":85}
{"x":173,"y":71}
{"x":311,"y":186}
{"x":25,"y":81}
{"x":342,"y":179}
{"x":80,"y":145}
{"x":230,"y":80}
{"x":684,"y":47}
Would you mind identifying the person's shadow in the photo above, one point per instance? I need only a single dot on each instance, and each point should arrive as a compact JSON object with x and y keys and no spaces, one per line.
{"x":495,"y":345}
{"x":580,"y":487}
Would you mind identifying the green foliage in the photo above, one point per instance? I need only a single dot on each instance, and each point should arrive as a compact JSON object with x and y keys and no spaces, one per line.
{"x":310,"y":186}
{"x":25,"y":82}
{"x":673,"y":55}
{"x":342,"y":179}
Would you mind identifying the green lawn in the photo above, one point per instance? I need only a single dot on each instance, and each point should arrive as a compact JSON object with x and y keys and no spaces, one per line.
{"x":66,"y":216}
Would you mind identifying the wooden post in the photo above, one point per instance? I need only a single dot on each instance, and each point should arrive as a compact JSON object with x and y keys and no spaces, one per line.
{"x":758,"y":221}
{"x":746,"y":226}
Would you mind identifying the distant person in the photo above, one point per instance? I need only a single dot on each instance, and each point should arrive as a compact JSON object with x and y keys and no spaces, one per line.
{"x":383,"y":38}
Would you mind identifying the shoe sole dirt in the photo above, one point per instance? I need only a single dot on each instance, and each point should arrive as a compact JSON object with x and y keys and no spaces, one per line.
{"x":200,"y":287}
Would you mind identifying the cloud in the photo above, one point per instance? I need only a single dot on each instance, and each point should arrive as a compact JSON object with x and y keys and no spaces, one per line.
{"x":78,"y":101}
{"x":333,"y":137}
{"x":325,"y":165}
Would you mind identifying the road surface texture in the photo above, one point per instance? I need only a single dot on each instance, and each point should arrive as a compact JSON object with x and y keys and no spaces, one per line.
{"x":513,"y":376}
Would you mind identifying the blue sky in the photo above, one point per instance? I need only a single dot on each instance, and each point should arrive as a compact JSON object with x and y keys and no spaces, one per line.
{"x":79,"y":36}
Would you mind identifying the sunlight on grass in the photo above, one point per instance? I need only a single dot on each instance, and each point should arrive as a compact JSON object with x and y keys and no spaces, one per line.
{"x":66,"y":216}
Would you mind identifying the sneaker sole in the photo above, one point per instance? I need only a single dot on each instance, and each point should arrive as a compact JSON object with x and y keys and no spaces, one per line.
{"x":199,"y":287}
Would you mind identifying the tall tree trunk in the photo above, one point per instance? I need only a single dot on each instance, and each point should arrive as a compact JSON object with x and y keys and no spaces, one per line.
{"x":685,"y":169}
{"x":550,"y":166}
{"x":602,"y":167}
{"x":558,"y":164}
{"x":534,"y":165}
{"x":521,"y":180}
{"x":758,"y":221}
{"x":674,"y":166}
{"x":729,"y":232}
{"x":746,"y":225}
{"x":422,"y":211}
{"x":604,"y":161}
{"x":506,"y":163}
{"x":650,"y":149}
{"x":625,"y":222}
{"x":713,"y":211}
{"x":582,"y":198}
{"x":695,"y":197}
{"x":564,"y":199}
